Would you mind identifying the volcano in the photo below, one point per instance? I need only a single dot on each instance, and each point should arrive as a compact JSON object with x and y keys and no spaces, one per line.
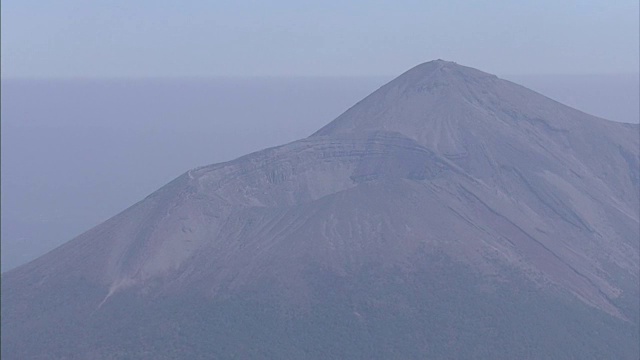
{"x":448,"y":215}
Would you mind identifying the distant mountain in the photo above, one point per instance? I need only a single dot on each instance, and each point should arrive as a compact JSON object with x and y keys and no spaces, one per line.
{"x":450,"y":214}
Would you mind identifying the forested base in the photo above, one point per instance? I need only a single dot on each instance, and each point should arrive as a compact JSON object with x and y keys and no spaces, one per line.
{"x":441,"y":311}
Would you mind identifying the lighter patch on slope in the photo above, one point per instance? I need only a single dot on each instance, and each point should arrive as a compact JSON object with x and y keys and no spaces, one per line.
{"x":115,"y":287}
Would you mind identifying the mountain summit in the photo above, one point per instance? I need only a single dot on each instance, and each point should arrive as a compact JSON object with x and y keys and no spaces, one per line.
{"x":446,"y":107}
{"x":450,"y":214}
{"x":420,"y":101}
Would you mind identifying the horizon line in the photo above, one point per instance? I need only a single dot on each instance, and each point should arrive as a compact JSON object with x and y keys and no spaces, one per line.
{"x":268,"y":77}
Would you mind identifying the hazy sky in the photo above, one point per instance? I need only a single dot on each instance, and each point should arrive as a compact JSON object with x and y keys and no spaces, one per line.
{"x":118,"y":38}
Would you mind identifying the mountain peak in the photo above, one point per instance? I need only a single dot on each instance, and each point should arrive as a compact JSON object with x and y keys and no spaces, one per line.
{"x":435,"y":65}
{"x":442,"y":73}
{"x":439,"y":103}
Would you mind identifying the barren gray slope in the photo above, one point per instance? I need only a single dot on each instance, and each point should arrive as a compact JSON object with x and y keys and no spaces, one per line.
{"x":465,"y":114}
{"x":443,"y":160}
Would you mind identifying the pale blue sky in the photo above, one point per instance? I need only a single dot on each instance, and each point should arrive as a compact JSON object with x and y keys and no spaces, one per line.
{"x":117,"y":38}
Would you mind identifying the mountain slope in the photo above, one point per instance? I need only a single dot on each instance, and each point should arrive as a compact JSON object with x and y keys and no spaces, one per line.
{"x":448,"y":214}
